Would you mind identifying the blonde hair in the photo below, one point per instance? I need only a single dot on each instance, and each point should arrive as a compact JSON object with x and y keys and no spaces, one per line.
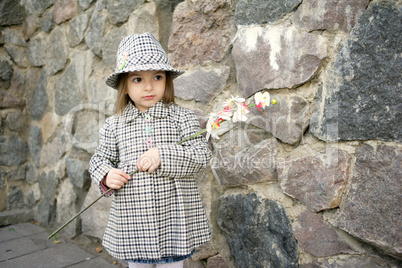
{"x":123,"y":99}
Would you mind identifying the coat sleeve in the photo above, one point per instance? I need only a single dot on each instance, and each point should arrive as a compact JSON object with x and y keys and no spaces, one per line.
{"x":106,"y":155}
{"x":189,"y":157}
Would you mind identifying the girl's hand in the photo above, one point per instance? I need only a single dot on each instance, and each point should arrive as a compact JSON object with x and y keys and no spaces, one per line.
{"x":149,"y":161}
{"x":116,"y":178}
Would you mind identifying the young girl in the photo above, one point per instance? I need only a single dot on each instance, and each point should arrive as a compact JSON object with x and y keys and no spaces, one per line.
{"x":156,"y":216}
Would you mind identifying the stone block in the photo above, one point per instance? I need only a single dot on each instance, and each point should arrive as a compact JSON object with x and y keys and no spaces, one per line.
{"x":371,"y":210}
{"x":6,"y":73}
{"x":37,"y":47}
{"x":53,"y":150}
{"x":11,"y":13}
{"x":273,"y":57}
{"x":318,"y":181}
{"x":18,"y":54}
{"x":37,"y":7}
{"x":202,"y":31}
{"x":47,"y":22}
{"x":77,"y":171}
{"x":15,"y":199}
{"x":48,"y":184}
{"x":57,"y":45}
{"x":16,"y":121}
{"x":35,"y":143}
{"x":145,"y":19}
{"x":64,"y":10}
{"x":76,"y":29}
{"x":39,"y":100}
{"x":66,"y":209}
{"x":217,"y":262}
{"x":15,"y":216}
{"x":110,"y":44}
{"x":119,"y":11}
{"x":13,"y":151}
{"x":93,"y":36}
{"x":10,"y":101}
{"x":258,"y":231}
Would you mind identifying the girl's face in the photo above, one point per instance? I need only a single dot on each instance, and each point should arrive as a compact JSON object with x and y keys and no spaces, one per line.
{"x":146,"y":88}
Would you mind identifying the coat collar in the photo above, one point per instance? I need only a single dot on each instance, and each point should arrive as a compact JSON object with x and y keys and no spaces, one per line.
{"x":159,"y":110}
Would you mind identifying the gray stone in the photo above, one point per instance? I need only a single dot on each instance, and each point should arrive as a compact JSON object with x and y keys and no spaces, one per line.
{"x":120,"y":10}
{"x":201,"y":85}
{"x":205,"y":250}
{"x":99,"y":211}
{"x":16,"y":121}
{"x":287,"y":120}
{"x":334,"y":14}
{"x":67,"y":92}
{"x":35,"y":143}
{"x":47,"y":22}
{"x":280,"y":57}
{"x":76,"y":29}
{"x":37,"y":50}
{"x":84,"y":4}
{"x":6,"y":72}
{"x":31,"y":175}
{"x":354,"y":262}
{"x":31,"y":23}
{"x":15,"y":199}
{"x":377,"y":176}
{"x":53,"y":150}
{"x":318,"y":181}
{"x":217,"y":262}
{"x":39,"y":101}
{"x":94,"y":34}
{"x":362,"y":99}
{"x":244,"y":156}
{"x":43,"y":213}
{"x":57,"y":46}
{"x":263,"y":11}
{"x":13,"y":151}
{"x":37,"y":7}
{"x":202,"y":31}
{"x":48,"y":184}
{"x":12,"y":36}
{"x":258,"y":231}
{"x":78,"y":174}
{"x":15,"y":216}
{"x":145,"y":19}
{"x":11,"y":13}
{"x":14,"y":175}
{"x":85,"y":134}
{"x":317,"y":237}
{"x":110,"y":43}
{"x":64,"y":10}
{"x":10,"y":101}
{"x":18,"y":54}
{"x":66,"y":209}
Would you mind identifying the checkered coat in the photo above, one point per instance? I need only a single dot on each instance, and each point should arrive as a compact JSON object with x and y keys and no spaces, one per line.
{"x":160,"y":214}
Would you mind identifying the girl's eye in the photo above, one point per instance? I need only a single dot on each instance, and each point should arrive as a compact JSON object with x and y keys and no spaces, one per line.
{"x":137,"y":80}
{"x":158,"y":77}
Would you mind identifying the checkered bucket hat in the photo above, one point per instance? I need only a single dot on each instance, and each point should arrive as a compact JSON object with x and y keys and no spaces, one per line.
{"x":140,"y":52}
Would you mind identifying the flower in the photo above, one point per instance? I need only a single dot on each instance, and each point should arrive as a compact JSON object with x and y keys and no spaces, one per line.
{"x":262,"y":100}
{"x":240,"y":114}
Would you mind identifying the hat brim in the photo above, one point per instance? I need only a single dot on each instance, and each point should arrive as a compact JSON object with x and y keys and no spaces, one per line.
{"x":113,"y":79}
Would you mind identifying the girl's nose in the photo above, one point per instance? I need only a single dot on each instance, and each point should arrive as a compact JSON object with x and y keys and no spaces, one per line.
{"x":148,"y":85}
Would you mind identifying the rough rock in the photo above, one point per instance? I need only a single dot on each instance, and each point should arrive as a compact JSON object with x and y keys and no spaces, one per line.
{"x":39,"y":101}
{"x":6,"y":73}
{"x":35,"y":143}
{"x":66,"y":209}
{"x":204,"y":251}
{"x":13,"y":175}
{"x":44,"y":212}
{"x":76,"y":29}
{"x":317,"y":237}
{"x":67,"y":91}
{"x":31,"y":175}
{"x":30,"y":25}
{"x":273,"y":57}
{"x":86,"y":126}
{"x":287,"y":120}
{"x":110,"y":44}
{"x":16,"y":121}
{"x":64,"y":10}
{"x":53,"y":150}
{"x":244,"y":156}
{"x":36,"y":7}
{"x":18,"y":54}
{"x":49,"y":124}
{"x":15,"y":216}
{"x":15,"y":199}
{"x":78,"y":174}
{"x":217,"y":262}
{"x":33,"y":195}
{"x":57,"y":46}
{"x":94,"y":34}
{"x":37,"y":50}
{"x":202,"y":84}
{"x":353,"y":262}
{"x":120,"y":10}
{"x":202,"y":31}
{"x":258,"y":231}
{"x":10,"y":101}
{"x":48,"y":184}
{"x":13,"y":151}
{"x":47,"y":22}
{"x":263,"y":11}
{"x":84,"y":4}
{"x":99,"y":211}
{"x":145,"y":19}
{"x":377,"y":176}
{"x":318,"y":181}
{"x":334,"y":14}
{"x":12,"y":36}
{"x":11,"y":13}
{"x":362,"y":98}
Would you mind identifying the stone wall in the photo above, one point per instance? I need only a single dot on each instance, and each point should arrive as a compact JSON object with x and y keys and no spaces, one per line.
{"x":313,"y":181}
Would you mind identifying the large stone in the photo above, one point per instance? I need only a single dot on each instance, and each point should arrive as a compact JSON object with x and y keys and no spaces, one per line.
{"x":217,"y":262}
{"x":94,"y":34}
{"x":202,"y":31}
{"x":99,"y":211}
{"x":47,"y":22}
{"x":145,"y":19}
{"x":66,"y":209}
{"x":44,"y":212}
{"x":39,"y":101}
{"x":6,"y":73}
{"x":362,"y":97}
{"x":64,"y":10}
{"x":35,"y":143}
{"x":16,"y":121}
{"x":120,"y":10}
{"x":48,"y":184}
{"x":76,"y":29}
{"x":53,"y":150}
{"x":273,"y":57}
{"x":85,"y":130}
{"x":84,"y":4}
{"x":15,"y":199}
{"x":78,"y":174}
{"x":49,"y":124}
{"x":258,"y":231}
{"x":244,"y":156}
{"x":329,"y":15}
{"x":372,"y":210}
{"x":31,"y":174}
{"x":317,"y":237}
{"x":36,"y":7}
{"x":12,"y":36}
{"x":201,"y":85}
{"x":13,"y":151}
{"x":10,"y":101}
{"x":15,"y":216}
{"x":30,"y":25}
{"x":57,"y":46}
{"x":37,"y":50}
{"x":13,"y":175}
{"x":67,"y":92}
{"x":352,"y":262}
{"x":110,"y":44}
{"x":18,"y":54}
{"x":318,"y":181}
{"x":263,"y":11}
{"x":11,"y":13}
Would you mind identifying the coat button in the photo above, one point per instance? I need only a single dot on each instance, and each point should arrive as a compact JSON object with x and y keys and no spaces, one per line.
{"x":148,"y":129}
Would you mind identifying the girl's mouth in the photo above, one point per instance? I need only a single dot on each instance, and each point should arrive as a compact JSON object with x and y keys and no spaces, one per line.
{"x":149,"y":97}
